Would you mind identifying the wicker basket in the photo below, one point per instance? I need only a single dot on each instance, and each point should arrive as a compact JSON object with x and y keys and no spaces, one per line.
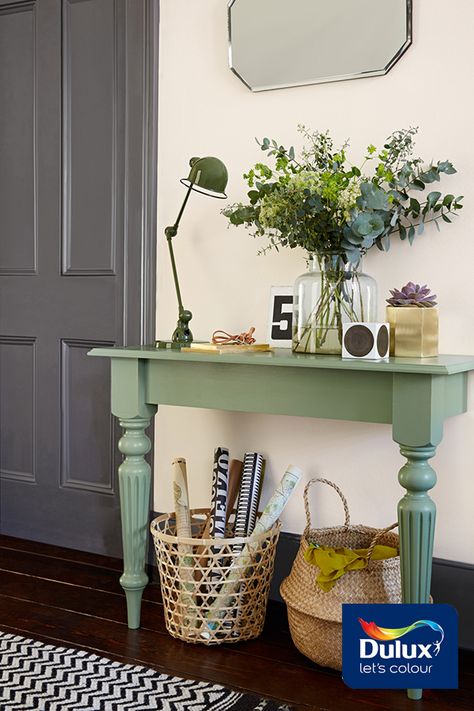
{"x":192,"y":571}
{"x":315,"y":616}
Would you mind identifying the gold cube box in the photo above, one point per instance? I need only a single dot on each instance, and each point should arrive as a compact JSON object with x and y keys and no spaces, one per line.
{"x":413,"y":331}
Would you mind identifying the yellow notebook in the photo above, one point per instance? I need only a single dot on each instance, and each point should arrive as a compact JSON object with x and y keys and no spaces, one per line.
{"x":227,"y":348}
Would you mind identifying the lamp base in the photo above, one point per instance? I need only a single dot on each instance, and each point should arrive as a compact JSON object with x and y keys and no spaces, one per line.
{"x":162,"y":345}
{"x":182,"y":335}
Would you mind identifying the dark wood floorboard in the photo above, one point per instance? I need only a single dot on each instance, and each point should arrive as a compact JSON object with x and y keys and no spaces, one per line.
{"x":74,"y":599}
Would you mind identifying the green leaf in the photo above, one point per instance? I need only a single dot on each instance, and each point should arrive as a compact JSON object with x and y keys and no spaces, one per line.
{"x":414,"y":206}
{"x":417,"y":184}
{"x":446,"y":218}
{"x":403,"y":231}
{"x":394,"y":219}
{"x":433,"y":197}
{"x":421,"y":228}
{"x":447,"y":167}
{"x":372,"y":197}
{"x":291,"y":153}
{"x":411,"y":234}
{"x":447,"y":200}
{"x":430,"y":175}
{"x":386,"y":242}
{"x":368,"y":225}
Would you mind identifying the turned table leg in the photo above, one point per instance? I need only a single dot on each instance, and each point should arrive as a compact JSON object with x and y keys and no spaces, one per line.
{"x":419,"y":407}
{"x":130,"y":406}
{"x":416,"y":519}
{"x":134,"y":485}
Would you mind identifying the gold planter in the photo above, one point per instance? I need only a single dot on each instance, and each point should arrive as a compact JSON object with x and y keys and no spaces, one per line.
{"x":413,"y":331}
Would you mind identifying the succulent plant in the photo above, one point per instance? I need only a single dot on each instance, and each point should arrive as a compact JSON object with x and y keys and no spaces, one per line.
{"x":412,"y":295}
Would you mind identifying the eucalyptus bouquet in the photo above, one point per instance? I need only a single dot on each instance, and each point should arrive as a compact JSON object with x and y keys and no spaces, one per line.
{"x":322,"y":203}
{"x":336,"y":212}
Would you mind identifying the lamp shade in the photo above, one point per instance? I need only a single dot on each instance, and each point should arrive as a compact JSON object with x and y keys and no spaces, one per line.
{"x":208,"y":176}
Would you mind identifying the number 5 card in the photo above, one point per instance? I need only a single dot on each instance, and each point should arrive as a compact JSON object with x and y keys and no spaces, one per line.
{"x":281,"y":316}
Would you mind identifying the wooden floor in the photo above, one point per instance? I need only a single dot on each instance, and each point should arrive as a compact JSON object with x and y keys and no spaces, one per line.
{"x":70,"y":598}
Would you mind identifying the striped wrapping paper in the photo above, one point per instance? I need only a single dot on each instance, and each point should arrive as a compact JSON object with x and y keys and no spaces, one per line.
{"x":249,"y":494}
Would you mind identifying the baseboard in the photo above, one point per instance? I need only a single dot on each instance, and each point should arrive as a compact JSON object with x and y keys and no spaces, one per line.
{"x":452,"y":583}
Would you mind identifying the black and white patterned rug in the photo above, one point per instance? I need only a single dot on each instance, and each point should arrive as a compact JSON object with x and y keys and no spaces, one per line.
{"x":41,"y":677}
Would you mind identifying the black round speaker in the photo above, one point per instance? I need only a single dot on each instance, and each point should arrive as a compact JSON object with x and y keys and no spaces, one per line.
{"x":382,"y":341}
{"x":358,"y":340}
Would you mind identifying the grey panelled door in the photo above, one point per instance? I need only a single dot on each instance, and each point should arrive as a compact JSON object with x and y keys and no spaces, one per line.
{"x":77,"y":205}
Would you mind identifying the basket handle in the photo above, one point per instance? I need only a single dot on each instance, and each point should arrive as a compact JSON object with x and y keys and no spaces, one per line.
{"x":347,"y":518}
{"x":377,"y":537}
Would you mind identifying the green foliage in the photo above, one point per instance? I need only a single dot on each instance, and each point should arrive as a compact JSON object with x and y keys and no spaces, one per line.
{"x":323,"y":204}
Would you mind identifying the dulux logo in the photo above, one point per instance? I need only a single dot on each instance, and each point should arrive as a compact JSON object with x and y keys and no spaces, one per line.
{"x":377,"y":645}
{"x":424,"y":654}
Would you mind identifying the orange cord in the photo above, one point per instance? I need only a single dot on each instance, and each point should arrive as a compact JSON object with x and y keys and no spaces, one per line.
{"x":242,"y":339}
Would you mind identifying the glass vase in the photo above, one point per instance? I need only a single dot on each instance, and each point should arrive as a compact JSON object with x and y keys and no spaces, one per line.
{"x":329,"y":294}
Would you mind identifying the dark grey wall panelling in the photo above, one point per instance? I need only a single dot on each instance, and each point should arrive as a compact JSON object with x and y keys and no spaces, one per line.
{"x":86,"y":419}
{"x":78,"y":126}
{"x":93,"y":139}
{"x":18,"y":99}
{"x":17,"y":408}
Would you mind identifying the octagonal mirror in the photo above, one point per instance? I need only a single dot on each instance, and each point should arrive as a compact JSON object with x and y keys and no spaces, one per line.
{"x":281,"y":43}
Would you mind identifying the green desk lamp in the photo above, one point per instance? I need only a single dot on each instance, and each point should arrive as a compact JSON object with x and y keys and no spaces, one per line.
{"x":208,"y":176}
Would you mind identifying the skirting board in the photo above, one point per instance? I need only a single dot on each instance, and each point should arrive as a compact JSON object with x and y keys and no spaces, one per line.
{"x":452,"y":583}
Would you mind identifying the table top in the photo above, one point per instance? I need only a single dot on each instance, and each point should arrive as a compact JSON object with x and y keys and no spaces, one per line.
{"x":284,"y":357}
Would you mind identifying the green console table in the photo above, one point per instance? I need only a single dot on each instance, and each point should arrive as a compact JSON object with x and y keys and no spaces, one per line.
{"x":415,"y":396}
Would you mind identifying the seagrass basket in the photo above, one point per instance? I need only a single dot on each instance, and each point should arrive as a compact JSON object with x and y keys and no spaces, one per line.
{"x":214,"y":590}
{"x":315,"y":616}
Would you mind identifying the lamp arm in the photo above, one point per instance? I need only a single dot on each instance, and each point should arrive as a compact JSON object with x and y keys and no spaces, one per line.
{"x":171,"y":232}
{"x":175,"y":275}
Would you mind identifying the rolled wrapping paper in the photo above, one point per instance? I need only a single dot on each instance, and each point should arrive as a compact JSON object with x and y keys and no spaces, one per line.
{"x":249,"y":494}
{"x":183,"y":528}
{"x":268,"y":518}
{"x":259,"y":471}
{"x":181,"y":498}
{"x":235,"y":473}
{"x":278,"y":500}
{"x":220,"y":481}
{"x":235,"y":477}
